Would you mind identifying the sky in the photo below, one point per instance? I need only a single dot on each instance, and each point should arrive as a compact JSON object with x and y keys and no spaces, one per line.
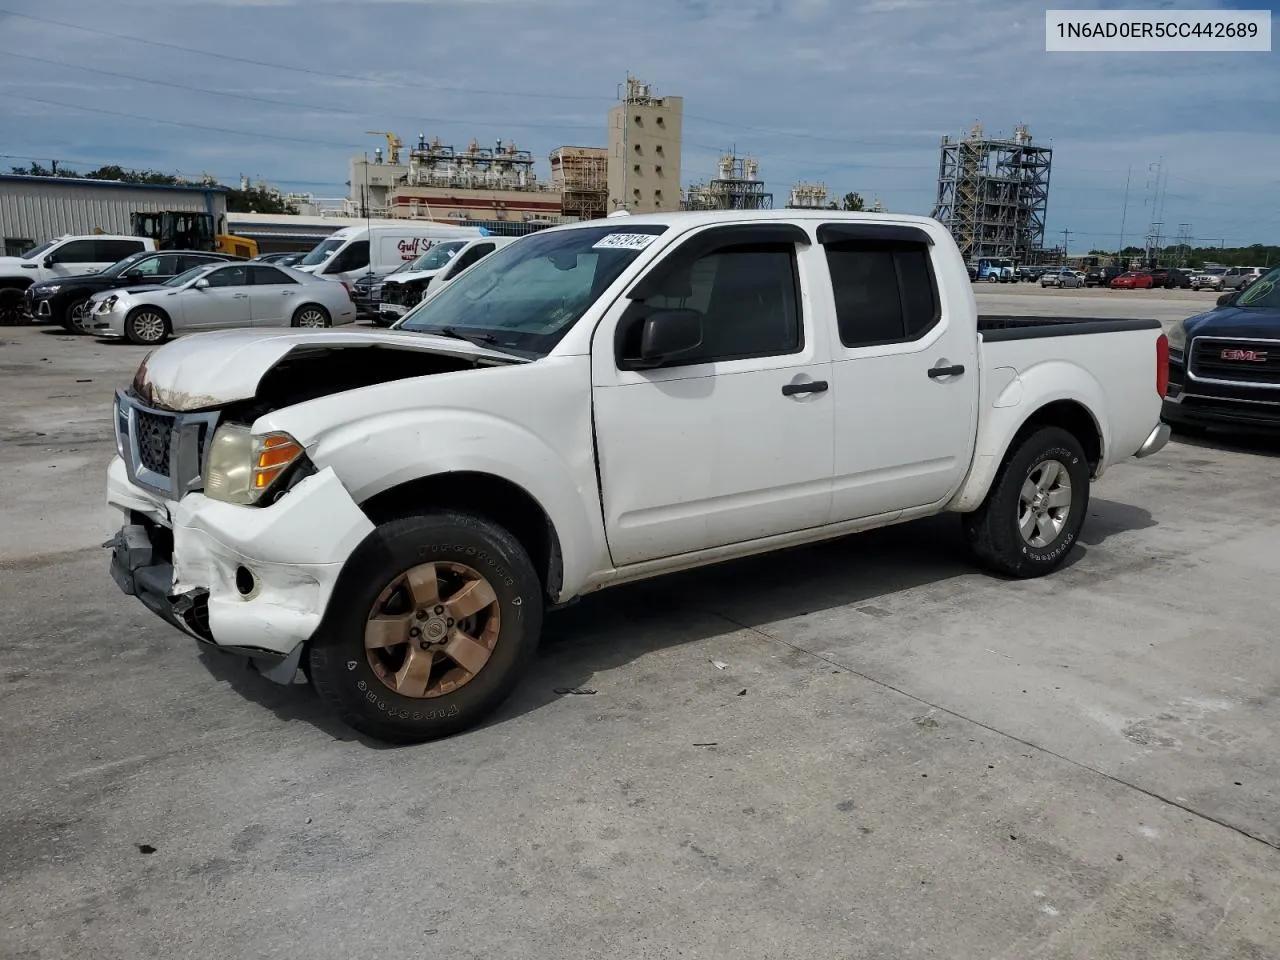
{"x":854,"y":93}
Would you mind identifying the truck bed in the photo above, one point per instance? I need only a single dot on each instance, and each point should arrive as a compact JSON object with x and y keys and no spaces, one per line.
{"x":995,"y":328}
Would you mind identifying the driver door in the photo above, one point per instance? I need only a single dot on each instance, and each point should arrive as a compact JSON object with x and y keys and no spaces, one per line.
{"x":224,"y":303}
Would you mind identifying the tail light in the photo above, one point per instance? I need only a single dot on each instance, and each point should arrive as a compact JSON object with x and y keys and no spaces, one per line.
{"x":1162,"y":365}
{"x":351,"y":294}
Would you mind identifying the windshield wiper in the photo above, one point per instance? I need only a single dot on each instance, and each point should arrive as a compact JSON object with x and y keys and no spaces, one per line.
{"x":479,"y":339}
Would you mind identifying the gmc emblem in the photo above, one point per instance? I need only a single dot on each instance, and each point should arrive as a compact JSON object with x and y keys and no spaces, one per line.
{"x":1249,"y":356}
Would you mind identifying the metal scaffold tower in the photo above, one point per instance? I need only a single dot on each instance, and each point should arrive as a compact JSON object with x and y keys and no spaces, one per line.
{"x":993,"y":194}
{"x":737,"y":187}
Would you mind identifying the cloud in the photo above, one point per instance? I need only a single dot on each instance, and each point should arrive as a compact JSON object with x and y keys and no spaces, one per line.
{"x":857,"y":93}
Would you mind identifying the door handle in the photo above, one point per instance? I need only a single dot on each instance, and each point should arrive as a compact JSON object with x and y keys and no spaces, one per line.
{"x":952,"y":371}
{"x":815,"y":386}
{"x":237,"y":296}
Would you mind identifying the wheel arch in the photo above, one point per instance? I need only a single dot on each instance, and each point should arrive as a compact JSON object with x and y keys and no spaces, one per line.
{"x":168,"y":317}
{"x":495,"y":498}
{"x":305,"y":305}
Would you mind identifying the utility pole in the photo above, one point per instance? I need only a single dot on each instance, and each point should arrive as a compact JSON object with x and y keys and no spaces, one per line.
{"x":1124,"y":212}
{"x":1066,"y":236}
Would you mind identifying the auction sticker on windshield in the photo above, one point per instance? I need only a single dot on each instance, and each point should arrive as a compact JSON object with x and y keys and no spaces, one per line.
{"x":624,"y":241}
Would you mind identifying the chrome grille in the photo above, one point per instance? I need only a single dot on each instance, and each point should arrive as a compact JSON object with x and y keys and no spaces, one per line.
{"x":162,"y":450}
{"x":1236,"y":360}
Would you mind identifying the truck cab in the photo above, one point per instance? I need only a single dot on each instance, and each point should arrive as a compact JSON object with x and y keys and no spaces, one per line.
{"x":996,"y":270}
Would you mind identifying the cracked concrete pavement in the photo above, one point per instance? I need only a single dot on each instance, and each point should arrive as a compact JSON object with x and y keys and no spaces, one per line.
{"x":862,"y":749}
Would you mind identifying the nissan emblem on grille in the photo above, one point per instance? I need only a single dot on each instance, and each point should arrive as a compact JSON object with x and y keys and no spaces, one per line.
{"x":1248,"y":356}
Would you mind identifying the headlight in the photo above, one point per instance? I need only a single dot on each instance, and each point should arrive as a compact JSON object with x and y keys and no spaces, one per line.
{"x":106,"y":305}
{"x":50,"y":289}
{"x":242,"y":466}
{"x":1177,"y":335}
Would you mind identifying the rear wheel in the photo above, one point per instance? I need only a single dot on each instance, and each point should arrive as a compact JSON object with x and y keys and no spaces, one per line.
{"x":146,"y":326}
{"x":310,"y":315}
{"x":430,"y":629}
{"x":1033,"y":514}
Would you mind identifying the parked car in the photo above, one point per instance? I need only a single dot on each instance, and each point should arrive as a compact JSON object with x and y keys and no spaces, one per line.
{"x":352,"y":252}
{"x":404,"y":289}
{"x":1168,"y":277}
{"x":1061,"y":277}
{"x":1029,"y":274}
{"x":64,"y":300}
{"x":1101,"y":276}
{"x":1224,"y":365}
{"x":217,"y":297}
{"x":1238,"y":277}
{"x":1209,"y":278}
{"x":996,"y":270}
{"x":1133,"y":280}
{"x":399,"y":507}
{"x":68,"y":256}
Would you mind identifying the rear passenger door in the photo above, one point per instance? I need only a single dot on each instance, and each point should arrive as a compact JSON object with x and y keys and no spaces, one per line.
{"x":904,"y":371}
{"x":732,"y":441}
{"x":273,"y":296}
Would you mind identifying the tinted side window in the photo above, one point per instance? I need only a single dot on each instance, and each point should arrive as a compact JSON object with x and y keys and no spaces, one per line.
{"x":747,"y":298}
{"x":352,"y":257}
{"x":110,"y":251}
{"x":884,"y":291}
{"x":190,"y":260}
{"x":236,"y":276}
{"x":470,"y":257}
{"x":77,"y":251}
{"x":268,"y":275}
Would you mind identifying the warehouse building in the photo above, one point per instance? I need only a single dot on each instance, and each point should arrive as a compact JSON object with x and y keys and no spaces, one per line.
{"x":35,"y":209}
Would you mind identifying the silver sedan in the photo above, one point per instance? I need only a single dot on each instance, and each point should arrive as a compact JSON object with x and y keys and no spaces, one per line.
{"x":245,"y":294}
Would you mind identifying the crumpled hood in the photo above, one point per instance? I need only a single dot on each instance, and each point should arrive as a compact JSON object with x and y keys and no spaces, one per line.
{"x":208,"y":370}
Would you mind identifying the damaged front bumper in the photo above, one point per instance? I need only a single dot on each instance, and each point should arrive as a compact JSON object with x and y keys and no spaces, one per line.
{"x":249,"y":580}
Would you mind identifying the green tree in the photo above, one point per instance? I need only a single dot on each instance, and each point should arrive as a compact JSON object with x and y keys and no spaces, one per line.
{"x":258,"y":199}
{"x":852,"y":201}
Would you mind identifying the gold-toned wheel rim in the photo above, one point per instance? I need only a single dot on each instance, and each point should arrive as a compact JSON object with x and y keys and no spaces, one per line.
{"x":432,"y":629}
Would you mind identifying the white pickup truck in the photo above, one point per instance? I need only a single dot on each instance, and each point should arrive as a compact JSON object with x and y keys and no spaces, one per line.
{"x":393,"y":511}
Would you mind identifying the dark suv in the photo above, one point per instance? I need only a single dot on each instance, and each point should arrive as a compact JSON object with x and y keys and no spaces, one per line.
{"x":1168,"y":277}
{"x":63,"y":299}
{"x":1101,"y":276}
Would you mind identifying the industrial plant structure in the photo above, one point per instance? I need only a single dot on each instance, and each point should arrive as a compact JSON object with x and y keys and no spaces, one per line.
{"x":737,"y":186}
{"x":993,"y":195}
{"x":808,"y":196}
{"x":644,"y":151}
{"x":581,"y":174}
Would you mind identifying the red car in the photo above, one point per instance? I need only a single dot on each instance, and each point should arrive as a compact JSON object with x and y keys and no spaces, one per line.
{"x":1133,"y":280}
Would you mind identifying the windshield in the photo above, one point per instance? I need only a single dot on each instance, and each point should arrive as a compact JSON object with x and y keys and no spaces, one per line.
{"x":36,"y":251}
{"x":525,"y":297}
{"x":1263,"y":292}
{"x":322,"y":251}
{"x":184,"y":278}
{"x":433,"y":259}
{"x":122,"y":265}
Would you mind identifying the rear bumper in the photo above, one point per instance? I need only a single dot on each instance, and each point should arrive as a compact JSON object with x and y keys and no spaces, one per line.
{"x":249,"y":580}
{"x":1155,"y":442}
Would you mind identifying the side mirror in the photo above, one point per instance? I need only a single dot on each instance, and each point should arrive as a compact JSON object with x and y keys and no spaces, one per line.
{"x":665,"y":335}
{"x":202,"y":283}
{"x":48,"y":261}
{"x":133,"y":276}
{"x":1227,"y":299}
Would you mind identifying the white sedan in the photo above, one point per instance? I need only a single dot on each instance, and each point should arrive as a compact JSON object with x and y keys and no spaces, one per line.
{"x":218,"y":296}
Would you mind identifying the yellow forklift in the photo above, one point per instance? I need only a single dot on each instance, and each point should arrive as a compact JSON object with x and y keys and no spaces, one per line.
{"x":185,"y":230}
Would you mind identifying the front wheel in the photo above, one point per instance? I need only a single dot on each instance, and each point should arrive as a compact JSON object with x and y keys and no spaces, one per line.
{"x":11,"y":308}
{"x":430,"y":628}
{"x":77,"y":315}
{"x":1032,"y":516}
{"x":146,"y":326}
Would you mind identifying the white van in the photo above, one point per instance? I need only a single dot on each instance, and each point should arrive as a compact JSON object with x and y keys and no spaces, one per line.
{"x":354,"y":252}
{"x":405,"y":288}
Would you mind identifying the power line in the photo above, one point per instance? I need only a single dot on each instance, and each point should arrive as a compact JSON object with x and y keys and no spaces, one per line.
{"x":293,"y":105}
{"x":327,"y":74}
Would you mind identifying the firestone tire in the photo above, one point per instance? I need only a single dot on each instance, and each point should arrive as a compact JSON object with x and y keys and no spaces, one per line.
{"x":342,"y":669}
{"x":994,"y":530}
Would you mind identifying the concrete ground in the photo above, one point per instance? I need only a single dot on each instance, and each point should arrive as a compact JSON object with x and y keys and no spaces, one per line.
{"x":864,"y":749}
